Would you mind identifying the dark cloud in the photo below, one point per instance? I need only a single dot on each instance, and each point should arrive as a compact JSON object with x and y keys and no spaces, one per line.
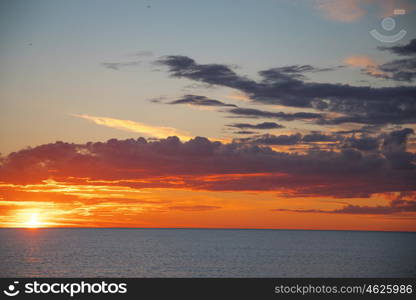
{"x":382,"y":115}
{"x":401,"y":69}
{"x":201,"y":164}
{"x":200,"y":101}
{"x":359,"y":104}
{"x":257,"y":113}
{"x":399,"y":205}
{"x":269,"y":139}
{"x":293,"y":139}
{"x":396,"y":141}
{"x":405,"y":50}
{"x":319,"y":137}
{"x":289,"y":73}
{"x":364,"y":143}
{"x":183,"y":66}
{"x":365,"y":129}
{"x":406,"y":206}
{"x":392,"y":142}
{"x":119,"y":65}
{"x":264,"y":125}
{"x":245,"y":132}
{"x":391,"y":145}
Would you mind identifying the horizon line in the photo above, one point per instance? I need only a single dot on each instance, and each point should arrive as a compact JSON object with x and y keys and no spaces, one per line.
{"x":207,"y":228}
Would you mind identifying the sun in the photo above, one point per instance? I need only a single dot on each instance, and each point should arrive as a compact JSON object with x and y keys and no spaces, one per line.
{"x":33,"y":222}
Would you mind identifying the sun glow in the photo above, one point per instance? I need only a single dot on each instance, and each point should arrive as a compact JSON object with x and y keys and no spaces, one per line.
{"x":33,"y":222}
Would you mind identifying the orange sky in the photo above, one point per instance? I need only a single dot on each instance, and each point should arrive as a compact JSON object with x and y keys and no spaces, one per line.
{"x":60,"y":204}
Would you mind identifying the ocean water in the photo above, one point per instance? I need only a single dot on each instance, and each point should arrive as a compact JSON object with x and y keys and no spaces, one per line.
{"x":205,"y":253}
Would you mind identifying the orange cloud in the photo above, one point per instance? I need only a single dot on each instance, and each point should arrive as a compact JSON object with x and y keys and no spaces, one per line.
{"x":133,"y":126}
{"x":236,"y":95}
{"x":353,"y":10}
{"x":148,"y":130}
{"x":368,"y":65}
{"x":342,"y":10}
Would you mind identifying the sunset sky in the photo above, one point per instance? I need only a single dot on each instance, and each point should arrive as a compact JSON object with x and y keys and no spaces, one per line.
{"x":211,"y":114}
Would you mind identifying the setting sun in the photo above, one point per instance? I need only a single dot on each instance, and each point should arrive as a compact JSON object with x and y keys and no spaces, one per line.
{"x":33,"y":222}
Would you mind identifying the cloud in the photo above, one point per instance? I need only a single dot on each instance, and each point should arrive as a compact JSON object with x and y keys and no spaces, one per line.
{"x":264,"y":125}
{"x":383,"y":143}
{"x":269,"y":139}
{"x":245,"y":132}
{"x":217,"y":74}
{"x":342,"y":10}
{"x":408,"y":206}
{"x":353,"y":10}
{"x":367,"y":129}
{"x":364,"y":143}
{"x":257,"y":113}
{"x":368,"y":65}
{"x":119,"y":65}
{"x":200,"y":101}
{"x":315,"y":137}
{"x":288,"y":73}
{"x":400,"y":69}
{"x":133,"y":126}
{"x":293,"y":139}
{"x":396,"y":141}
{"x":201,"y":164}
{"x":396,"y":206}
{"x":236,"y":95}
{"x":406,"y":50}
{"x":358,"y":104}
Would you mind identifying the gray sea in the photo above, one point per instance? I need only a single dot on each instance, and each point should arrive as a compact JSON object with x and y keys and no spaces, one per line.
{"x":205,"y":253}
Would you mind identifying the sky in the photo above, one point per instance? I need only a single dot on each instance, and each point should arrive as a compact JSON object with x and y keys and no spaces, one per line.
{"x":286,"y":114}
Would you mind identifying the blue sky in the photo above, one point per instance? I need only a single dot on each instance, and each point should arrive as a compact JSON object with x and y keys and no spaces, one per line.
{"x":51,"y":56}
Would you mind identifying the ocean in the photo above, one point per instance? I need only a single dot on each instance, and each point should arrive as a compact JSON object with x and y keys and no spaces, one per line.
{"x":205,"y":253}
